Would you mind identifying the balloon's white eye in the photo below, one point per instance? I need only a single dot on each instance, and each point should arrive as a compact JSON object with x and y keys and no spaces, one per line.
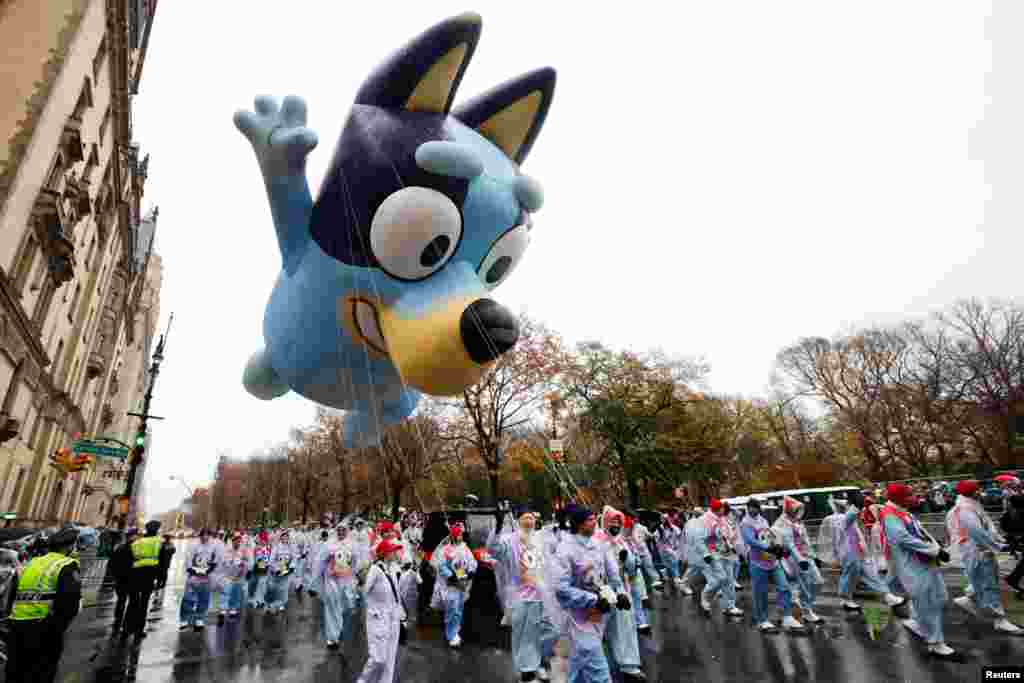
{"x":504,"y":256}
{"x":414,"y":232}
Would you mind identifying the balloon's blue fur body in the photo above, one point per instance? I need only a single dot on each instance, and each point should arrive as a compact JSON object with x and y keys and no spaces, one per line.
{"x":382,"y":293}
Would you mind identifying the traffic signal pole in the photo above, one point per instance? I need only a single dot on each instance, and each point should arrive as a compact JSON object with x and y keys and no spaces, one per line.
{"x":135,"y":459}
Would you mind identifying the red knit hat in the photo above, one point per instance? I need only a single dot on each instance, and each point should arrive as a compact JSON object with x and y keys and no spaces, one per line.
{"x":716,"y":505}
{"x":901,"y":494}
{"x":387,"y":546}
{"x":385,"y":527}
{"x":968,"y":487}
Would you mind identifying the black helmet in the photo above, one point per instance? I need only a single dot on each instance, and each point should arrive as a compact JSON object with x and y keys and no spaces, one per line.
{"x":152,"y":527}
{"x":68,"y":536}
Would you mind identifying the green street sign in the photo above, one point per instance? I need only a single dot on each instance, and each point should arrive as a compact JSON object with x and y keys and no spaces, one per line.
{"x":93,"y":448}
{"x":9,"y":515}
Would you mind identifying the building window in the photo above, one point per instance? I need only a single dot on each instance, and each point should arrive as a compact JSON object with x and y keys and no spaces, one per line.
{"x":17,"y":489}
{"x":73,"y":377}
{"x":103,"y":507}
{"x":84,"y":100}
{"x":34,"y":436}
{"x":97,"y":61}
{"x":90,"y":260}
{"x":103,"y":126}
{"x":74,"y":303}
{"x":57,"y":356}
{"x":25,"y":261}
{"x":88,"y":325}
{"x":43,"y":304}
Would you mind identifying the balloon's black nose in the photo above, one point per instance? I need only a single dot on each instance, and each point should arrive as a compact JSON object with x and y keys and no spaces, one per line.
{"x":488,"y":330}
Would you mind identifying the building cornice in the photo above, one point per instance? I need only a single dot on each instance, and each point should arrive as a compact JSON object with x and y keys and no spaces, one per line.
{"x":21,"y":139}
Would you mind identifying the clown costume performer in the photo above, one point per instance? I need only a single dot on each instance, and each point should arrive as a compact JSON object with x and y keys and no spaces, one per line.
{"x":635,"y":585}
{"x":384,"y":615}
{"x":200,"y":564}
{"x":521,"y":555}
{"x":336,"y":583}
{"x":668,"y":538}
{"x":801,"y":565}
{"x":911,"y":553}
{"x":282,"y":565}
{"x":851,"y":547}
{"x":765,"y":553}
{"x":302,"y":548}
{"x":455,"y":567}
{"x":236,"y":564}
{"x":712,"y":553}
{"x":974,"y":536}
{"x":621,"y":632}
{"x":261,"y":570}
{"x":316,"y":556}
{"x":588,"y":586}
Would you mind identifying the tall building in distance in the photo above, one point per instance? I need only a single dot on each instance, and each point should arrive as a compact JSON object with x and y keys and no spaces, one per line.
{"x":79,"y":282}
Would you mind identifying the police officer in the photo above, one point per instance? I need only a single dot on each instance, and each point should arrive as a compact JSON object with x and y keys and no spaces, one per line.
{"x":121,"y":569}
{"x":145,"y":570}
{"x":48,"y":598}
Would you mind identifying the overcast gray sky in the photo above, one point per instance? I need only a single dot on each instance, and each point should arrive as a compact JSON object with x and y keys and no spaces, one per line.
{"x":721,"y":178}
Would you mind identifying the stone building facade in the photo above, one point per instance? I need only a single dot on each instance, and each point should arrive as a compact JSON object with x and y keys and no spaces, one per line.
{"x":79,"y":283}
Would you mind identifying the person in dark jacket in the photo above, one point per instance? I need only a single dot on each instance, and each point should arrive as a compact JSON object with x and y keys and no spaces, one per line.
{"x":37,"y":623}
{"x":145,"y":567}
{"x":121,"y":569}
{"x":167,"y":551}
{"x":1012,"y":523}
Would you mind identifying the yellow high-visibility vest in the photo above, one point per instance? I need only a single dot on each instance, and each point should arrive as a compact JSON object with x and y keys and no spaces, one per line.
{"x":37,"y":587}
{"x":146,"y":552}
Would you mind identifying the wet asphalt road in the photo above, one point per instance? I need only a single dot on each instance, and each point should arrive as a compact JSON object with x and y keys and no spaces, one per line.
{"x":685,"y":646}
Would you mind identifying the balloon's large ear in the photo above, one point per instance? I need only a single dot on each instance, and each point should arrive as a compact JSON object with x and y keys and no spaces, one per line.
{"x":425,"y":74}
{"x":512,"y":114}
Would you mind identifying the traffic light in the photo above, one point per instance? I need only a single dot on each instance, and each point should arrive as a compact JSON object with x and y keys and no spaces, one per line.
{"x":140,"y":439}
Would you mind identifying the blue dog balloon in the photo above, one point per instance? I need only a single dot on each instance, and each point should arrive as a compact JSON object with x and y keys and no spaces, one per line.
{"x":383,"y":290}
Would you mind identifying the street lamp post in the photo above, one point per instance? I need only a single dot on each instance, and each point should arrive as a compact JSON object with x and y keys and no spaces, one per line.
{"x":135,"y":459}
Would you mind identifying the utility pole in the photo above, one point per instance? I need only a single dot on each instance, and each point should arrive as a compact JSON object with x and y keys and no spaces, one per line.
{"x":136,"y":457}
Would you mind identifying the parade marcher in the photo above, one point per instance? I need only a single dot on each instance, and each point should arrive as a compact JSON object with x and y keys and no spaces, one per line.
{"x":316,"y":552}
{"x":801,"y":565}
{"x":621,"y":628}
{"x":732,"y":529}
{"x":336,"y":583}
{"x":120,"y":565}
{"x":640,"y":535}
{"x":411,"y":580}
{"x":46,"y":601}
{"x":282,"y":565}
{"x":455,"y":569}
{"x":587,"y":589}
{"x":200,"y":564}
{"x":912,"y":554}
{"x":167,"y":551}
{"x":693,"y":531}
{"x":974,"y":535}
{"x":1012,"y":523}
{"x":260,"y":574}
{"x":765,"y":553}
{"x":302,"y":547}
{"x":236,"y":563}
{"x":385,"y":616}
{"x":635,"y":583}
{"x":521,"y":555}
{"x":708,"y":548}
{"x":145,"y":570}
{"x":851,"y":548}
{"x":668,"y":536}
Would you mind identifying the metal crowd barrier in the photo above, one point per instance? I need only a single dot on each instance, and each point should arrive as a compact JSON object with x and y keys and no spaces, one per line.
{"x":93,"y":572}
